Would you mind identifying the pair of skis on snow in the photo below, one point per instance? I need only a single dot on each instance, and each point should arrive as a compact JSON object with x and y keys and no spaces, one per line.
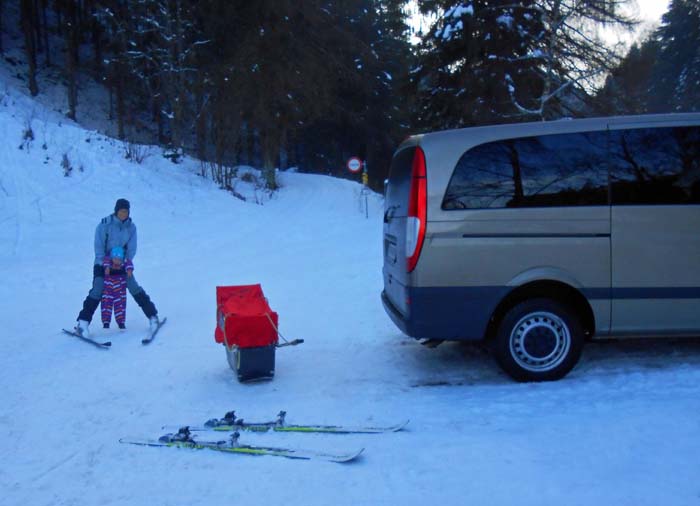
{"x":184,"y":437}
{"x":108,"y":344}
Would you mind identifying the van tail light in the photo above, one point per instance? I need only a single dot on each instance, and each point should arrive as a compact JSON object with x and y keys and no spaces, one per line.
{"x":417,"y":211}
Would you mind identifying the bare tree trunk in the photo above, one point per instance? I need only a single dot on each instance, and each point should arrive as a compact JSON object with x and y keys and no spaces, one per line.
{"x":1,"y":9}
{"x":201,"y":121}
{"x":225,"y":125}
{"x":28,"y":20}
{"x":119,"y":70}
{"x":111,"y":99}
{"x":96,"y":35}
{"x":555,"y":23}
{"x":176,"y":74}
{"x":38,"y":39}
{"x":282,"y":154}
{"x":158,"y":117}
{"x":218,"y":139}
{"x":244,"y":155}
{"x":120,"y":101}
{"x":45,"y":31}
{"x":80,"y":13}
{"x":270,"y":148}
{"x":71,"y":36}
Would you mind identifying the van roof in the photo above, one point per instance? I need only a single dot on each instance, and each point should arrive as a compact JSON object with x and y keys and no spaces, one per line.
{"x":478,"y":135}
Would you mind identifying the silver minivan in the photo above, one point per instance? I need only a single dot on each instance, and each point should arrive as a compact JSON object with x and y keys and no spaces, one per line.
{"x":538,"y":236}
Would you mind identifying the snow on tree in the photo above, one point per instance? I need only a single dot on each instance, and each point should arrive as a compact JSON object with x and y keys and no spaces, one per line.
{"x":497,"y":61}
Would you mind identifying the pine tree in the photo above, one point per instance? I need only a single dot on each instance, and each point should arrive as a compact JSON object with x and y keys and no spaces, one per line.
{"x":627,"y":88}
{"x":676,"y":80}
{"x":496,"y":61}
{"x":476,"y":56}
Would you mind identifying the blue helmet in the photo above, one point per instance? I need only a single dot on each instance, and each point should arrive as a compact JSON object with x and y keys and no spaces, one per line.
{"x":117,"y":252}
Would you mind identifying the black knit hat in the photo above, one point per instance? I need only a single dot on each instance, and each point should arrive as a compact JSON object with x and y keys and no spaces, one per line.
{"x":121,"y":204}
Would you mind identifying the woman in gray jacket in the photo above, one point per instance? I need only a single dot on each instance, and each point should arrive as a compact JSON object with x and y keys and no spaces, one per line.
{"x":115,"y":230}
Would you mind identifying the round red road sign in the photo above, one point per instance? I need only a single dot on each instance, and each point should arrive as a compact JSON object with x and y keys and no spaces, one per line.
{"x":354,"y":164}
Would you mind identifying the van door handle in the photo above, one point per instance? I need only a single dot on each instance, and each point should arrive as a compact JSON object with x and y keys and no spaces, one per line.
{"x":388,"y":214}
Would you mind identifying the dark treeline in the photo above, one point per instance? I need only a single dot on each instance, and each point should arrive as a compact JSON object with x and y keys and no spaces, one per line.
{"x":277,"y":83}
{"x":271,"y":82}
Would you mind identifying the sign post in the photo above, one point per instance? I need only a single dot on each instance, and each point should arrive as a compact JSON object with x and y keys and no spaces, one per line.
{"x":355,"y":164}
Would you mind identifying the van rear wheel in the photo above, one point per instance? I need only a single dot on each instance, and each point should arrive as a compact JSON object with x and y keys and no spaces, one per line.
{"x":538,"y":340}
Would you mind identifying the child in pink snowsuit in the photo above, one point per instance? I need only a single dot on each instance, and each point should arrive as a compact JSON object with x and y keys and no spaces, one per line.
{"x":114,"y":294}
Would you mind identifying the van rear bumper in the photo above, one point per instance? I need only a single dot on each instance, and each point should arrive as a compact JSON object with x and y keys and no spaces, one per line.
{"x":454,"y":313}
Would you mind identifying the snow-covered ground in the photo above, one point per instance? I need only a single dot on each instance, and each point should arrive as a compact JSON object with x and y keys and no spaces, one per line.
{"x":623,"y":428}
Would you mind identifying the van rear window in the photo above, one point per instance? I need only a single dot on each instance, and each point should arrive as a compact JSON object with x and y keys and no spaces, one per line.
{"x":542,"y":171}
{"x":400,"y":181}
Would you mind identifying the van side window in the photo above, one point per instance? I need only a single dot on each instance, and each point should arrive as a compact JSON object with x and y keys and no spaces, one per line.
{"x":543,"y":171}
{"x":655,"y":166}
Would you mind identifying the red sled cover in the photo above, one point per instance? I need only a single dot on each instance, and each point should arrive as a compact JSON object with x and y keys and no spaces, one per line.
{"x":244,"y":318}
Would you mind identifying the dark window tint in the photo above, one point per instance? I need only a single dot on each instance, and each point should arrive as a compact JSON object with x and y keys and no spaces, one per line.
{"x":549,"y":170}
{"x":655,"y":165}
{"x":400,"y":182}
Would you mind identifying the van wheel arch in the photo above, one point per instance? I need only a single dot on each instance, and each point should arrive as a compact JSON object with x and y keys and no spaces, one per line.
{"x":554,"y":290}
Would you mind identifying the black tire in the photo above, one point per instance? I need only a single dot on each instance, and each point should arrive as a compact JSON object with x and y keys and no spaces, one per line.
{"x":538,"y":340}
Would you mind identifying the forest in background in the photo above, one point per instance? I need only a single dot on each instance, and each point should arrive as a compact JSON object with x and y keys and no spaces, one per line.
{"x":277,"y":83}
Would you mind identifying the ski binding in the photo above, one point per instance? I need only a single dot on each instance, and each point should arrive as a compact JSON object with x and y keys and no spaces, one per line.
{"x":184,"y":439}
{"x":232,"y":423}
{"x":152,"y":335}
